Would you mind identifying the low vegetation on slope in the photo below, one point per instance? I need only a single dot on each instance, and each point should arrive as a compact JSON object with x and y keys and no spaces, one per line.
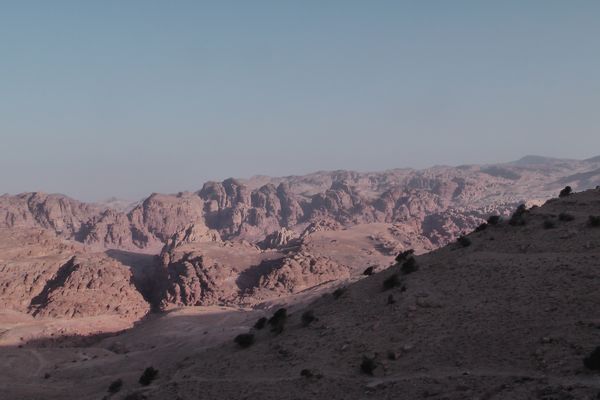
{"x":511,"y":315}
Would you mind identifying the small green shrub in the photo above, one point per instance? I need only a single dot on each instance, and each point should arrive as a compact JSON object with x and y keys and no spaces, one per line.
{"x":339,"y":292}
{"x":518,"y":217}
{"x":409,"y":266}
{"x":593,"y":360}
{"x":369,"y":271}
{"x":115,"y":386}
{"x":481,"y":227}
{"x":260,"y":324}
{"x":148,"y":376}
{"x":277,"y":321}
{"x":135,"y":396}
{"x":368,"y":365}
{"x":308,"y":317}
{"x":517,"y":220}
{"x":244,"y":340}
{"x":594,"y":221}
{"x":565,"y":192}
{"x":404,"y":255}
{"x":565,"y":217}
{"x":521,"y":209}
{"x":391,"y":282}
{"x":494,"y":220}
{"x":549,"y":224}
{"x":464,"y":241}
{"x":307,"y":373}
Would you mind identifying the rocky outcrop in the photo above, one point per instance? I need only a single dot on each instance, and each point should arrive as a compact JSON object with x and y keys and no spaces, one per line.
{"x":196,"y":280}
{"x":163,"y":215}
{"x":280,"y":238}
{"x":320,"y":225}
{"x":301,"y":271}
{"x":195,"y":233}
{"x":87,"y":286}
{"x":44,"y":275}
{"x":54,"y":212}
{"x":114,"y":230}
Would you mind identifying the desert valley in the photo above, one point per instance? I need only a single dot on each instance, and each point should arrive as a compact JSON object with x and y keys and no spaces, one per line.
{"x":306,"y":287}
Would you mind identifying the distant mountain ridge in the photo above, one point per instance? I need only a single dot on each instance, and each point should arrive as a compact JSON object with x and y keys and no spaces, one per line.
{"x":245,"y":242}
{"x":456,"y":197}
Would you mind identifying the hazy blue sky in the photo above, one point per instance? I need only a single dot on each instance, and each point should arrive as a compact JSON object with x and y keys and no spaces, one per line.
{"x":129,"y":97}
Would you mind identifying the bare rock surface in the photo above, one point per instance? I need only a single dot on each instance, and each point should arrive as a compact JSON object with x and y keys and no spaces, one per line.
{"x":282,"y":237}
{"x":45,"y":276}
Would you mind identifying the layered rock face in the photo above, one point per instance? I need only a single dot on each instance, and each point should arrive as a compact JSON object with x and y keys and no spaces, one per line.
{"x":45,"y":276}
{"x":90,"y":286}
{"x":302,"y":271}
{"x":196,"y":280}
{"x":58,"y":213}
{"x":280,"y":238}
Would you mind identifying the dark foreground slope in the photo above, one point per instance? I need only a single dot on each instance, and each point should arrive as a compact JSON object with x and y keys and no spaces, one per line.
{"x":509,"y":317}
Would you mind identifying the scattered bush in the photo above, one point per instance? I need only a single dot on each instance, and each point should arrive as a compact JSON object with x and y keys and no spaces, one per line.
{"x":307,"y":373}
{"x":368,"y":365}
{"x":369,"y":271}
{"x":593,"y":360}
{"x":244,"y":340}
{"x":392,"y":355}
{"x":337,"y":293}
{"x":148,"y":376}
{"x":565,"y":217}
{"x":115,"y":386}
{"x":277,"y":321}
{"x":308,"y":317}
{"x":549,"y":224}
{"x":409,"y":266}
{"x":391,"y":300}
{"x":565,"y":192}
{"x":481,"y":227}
{"x":494,"y":220}
{"x":46,"y":375}
{"x":391,"y":282}
{"x":404,"y":255}
{"x":135,"y":396}
{"x":464,"y":241}
{"x":594,"y":221}
{"x":518,"y":217}
{"x":517,"y":220}
{"x":260,"y":324}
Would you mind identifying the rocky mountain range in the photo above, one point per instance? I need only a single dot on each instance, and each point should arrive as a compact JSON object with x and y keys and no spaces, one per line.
{"x":505,"y":312}
{"x":433,"y":199}
{"x":242,"y":242}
